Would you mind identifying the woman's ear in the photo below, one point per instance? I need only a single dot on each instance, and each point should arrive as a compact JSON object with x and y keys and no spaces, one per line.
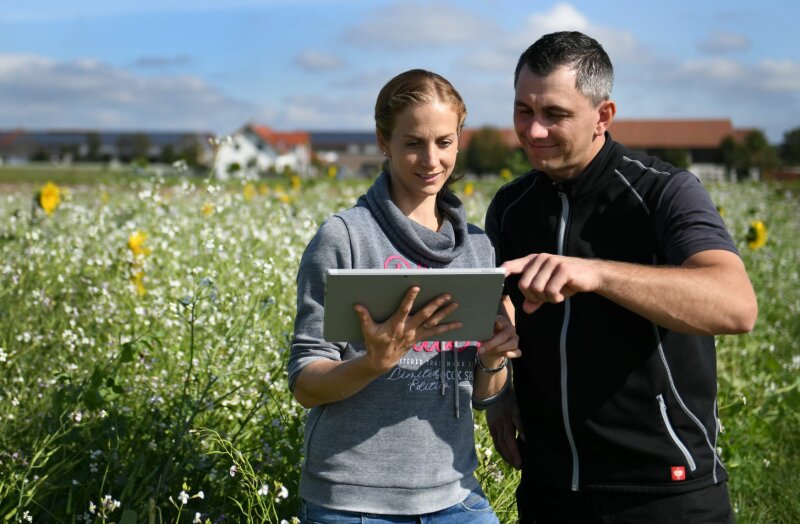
{"x":382,"y":144}
{"x":605,"y":115}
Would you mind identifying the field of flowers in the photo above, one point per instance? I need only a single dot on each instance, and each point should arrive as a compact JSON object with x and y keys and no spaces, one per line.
{"x":145,"y":324}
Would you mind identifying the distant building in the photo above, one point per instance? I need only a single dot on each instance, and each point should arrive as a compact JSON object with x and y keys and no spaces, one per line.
{"x":257,"y":150}
{"x":353,"y":153}
{"x":697,"y":139}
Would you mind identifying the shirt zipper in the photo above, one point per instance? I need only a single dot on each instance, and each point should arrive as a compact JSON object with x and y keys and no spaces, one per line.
{"x":562,"y":231}
{"x":674,"y":436}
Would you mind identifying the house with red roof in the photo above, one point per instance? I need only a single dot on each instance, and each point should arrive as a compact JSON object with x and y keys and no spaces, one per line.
{"x":257,"y":150}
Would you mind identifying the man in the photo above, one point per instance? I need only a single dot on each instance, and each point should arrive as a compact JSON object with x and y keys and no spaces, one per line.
{"x":621,"y":271}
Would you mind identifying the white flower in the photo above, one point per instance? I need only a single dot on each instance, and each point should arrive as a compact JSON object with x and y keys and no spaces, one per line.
{"x":92,"y":507}
{"x":263,"y":490}
{"x":233,"y":470}
{"x":27,"y":516}
{"x":197,"y":518}
{"x":200,"y":494}
{"x":183,"y":497}
{"x":282,"y":493}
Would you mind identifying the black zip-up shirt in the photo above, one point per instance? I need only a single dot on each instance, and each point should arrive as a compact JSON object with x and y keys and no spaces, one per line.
{"x":609,"y":400}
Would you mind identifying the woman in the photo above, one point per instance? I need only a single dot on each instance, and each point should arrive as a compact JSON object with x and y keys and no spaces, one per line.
{"x":381,"y":440}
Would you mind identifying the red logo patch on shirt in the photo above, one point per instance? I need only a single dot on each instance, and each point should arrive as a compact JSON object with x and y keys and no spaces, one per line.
{"x":678,"y":473}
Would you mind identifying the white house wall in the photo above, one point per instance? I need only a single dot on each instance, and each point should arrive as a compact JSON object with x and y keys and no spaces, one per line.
{"x":243,"y":151}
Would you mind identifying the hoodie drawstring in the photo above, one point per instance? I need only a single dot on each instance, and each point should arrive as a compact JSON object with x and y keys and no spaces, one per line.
{"x":443,"y":373}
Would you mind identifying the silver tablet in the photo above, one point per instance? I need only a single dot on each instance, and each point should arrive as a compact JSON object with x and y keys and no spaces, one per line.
{"x":477,"y":291}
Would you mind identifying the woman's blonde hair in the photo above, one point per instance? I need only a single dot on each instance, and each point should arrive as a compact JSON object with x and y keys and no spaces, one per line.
{"x":416,"y":86}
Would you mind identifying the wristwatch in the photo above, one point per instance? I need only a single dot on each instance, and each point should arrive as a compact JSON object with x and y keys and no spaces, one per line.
{"x":491,"y":370}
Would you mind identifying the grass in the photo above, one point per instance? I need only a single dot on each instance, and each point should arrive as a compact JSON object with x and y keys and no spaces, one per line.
{"x":149,"y":386}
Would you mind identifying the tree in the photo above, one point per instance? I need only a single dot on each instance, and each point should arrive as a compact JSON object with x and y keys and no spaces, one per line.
{"x":759,"y":153}
{"x":93,"y":145}
{"x":753,"y":152}
{"x":191,"y":153}
{"x":676,"y":157}
{"x":790,"y":149}
{"x":487,"y":153}
{"x":140,"y":147}
{"x":517,"y":162}
{"x":168,"y":154}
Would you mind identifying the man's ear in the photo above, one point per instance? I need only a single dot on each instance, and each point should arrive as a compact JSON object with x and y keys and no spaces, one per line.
{"x":605,"y":115}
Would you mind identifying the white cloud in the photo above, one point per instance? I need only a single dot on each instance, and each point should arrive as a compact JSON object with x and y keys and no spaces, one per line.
{"x":721,"y":42}
{"x":719,"y":70}
{"x":619,"y":43}
{"x":562,"y":17}
{"x":764,"y":77}
{"x":157,"y":61}
{"x":779,"y":76}
{"x":314,"y":61}
{"x":36,"y":91}
{"x":416,"y":24}
{"x":314,"y":112}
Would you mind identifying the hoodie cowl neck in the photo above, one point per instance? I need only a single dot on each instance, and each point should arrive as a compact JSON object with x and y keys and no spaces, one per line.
{"x":429,"y":248}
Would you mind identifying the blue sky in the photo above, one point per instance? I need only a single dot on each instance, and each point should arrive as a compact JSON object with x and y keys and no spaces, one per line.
{"x":318,"y":64}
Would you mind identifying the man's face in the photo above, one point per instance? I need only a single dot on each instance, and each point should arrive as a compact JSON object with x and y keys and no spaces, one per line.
{"x":557,"y":126}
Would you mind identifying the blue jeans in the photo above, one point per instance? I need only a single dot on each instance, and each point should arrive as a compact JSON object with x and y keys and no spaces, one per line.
{"x":474,"y":509}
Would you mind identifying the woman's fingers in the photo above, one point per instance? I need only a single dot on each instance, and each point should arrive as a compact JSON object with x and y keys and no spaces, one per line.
{"x":504,"y":342}
{"x":365,"y":318}
{"x":404,"y":310}
{"x":439,"y":315}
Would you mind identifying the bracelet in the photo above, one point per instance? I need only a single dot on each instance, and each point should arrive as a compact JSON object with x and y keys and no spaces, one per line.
{"x":491,"y":370}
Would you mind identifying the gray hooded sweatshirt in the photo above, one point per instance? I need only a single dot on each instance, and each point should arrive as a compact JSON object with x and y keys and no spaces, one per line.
{"x":396,"y":446}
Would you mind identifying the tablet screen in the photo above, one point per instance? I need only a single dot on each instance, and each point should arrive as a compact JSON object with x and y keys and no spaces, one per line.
{"x":477,"y":291}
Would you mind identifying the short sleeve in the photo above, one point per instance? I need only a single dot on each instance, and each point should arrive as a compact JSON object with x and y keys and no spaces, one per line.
{"x":687,"y":222}
{"x":328,"y":249}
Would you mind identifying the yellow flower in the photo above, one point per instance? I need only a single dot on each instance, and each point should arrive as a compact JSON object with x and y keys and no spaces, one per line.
{"x":136,"y":244}
{"x":105,"y":197}
{"x":469,"y":188}
{"x":207,"y":209}
{"x":332,"y":171}
{"x":49,"y":197}
{"x":505,"y":173}
{"x":295,"y":181}
{"x":263,"y":189}
{"x":283,"y":197}
{"x":721,"y":211}
{"x":248,"y":192}
{"x":757,"y":235}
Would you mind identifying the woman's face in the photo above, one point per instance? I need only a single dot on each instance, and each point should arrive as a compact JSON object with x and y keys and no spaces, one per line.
{"x":422,"y":152}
